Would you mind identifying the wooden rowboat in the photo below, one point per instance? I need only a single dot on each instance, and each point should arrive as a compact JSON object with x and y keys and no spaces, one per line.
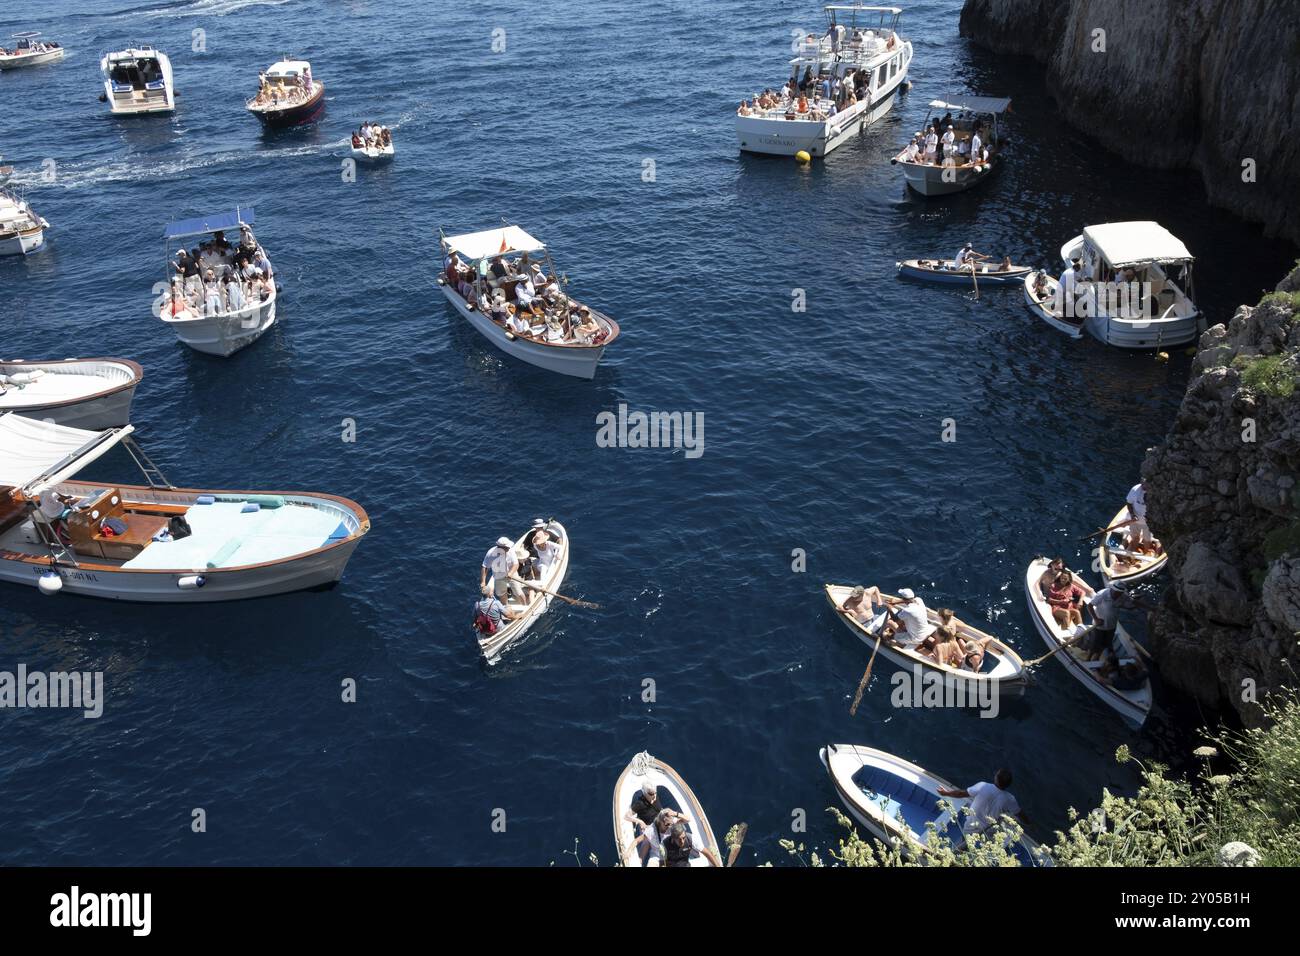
{"x":84,"y":393}
{"x":947,"y":271}
{"x":492,"y":645}
{"x":1119,"y":564}
{"x":877,"y":788}
{"x":1003,"y":669}
{"x":674,"y":794}
{"x":1046,"y":309}
{"x":1132,"y":705}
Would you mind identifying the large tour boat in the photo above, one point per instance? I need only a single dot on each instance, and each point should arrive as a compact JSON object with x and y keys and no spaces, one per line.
{"x":222,"y":293}
{"x":287,"y":94}
{"x":137,"y":82}
{"x":840,"y":82}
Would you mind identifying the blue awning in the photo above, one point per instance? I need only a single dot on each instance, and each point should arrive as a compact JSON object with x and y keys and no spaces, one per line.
{"x":206,"y":224}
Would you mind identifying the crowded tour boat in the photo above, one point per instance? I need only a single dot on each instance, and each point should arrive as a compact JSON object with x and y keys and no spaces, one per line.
{"x":840,"y":82}
{"x":221,"y":294}
{"x":137,"y":81}
{"x":156,"y":542}
{"x":1130,"y":284}
{"x":22,"y":231}
{"x":84,"y":393}
{"x":1058,"y":599}
{"x":287,"y":94}
{"x":372,"y":142}
{"x":519,"y":306}
{"x":29,"y":51}
{"x":911,"y":635}
{"x":658,"y":820}
{"x":959,"y":146}
{"x":518,"y":580}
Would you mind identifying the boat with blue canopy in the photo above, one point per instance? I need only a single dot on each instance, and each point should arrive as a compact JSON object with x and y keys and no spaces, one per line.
{"x":220,"y":294}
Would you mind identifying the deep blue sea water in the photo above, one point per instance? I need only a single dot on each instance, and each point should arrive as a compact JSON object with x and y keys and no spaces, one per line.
{"x":822,"y":430}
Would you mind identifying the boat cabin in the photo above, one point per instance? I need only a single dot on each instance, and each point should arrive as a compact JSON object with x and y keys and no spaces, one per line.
{"x":968,"y":115}
{"x":1139,"y":252}
{"x":134,"y":70}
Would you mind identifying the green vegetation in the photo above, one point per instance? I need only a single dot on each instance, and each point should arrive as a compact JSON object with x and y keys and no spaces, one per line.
{"x":1289,"y":299}
{"x":1269,"y":375}
{"x":1168,"y":823}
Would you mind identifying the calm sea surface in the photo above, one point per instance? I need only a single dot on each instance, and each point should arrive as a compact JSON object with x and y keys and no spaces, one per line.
{"x":822,"y":430}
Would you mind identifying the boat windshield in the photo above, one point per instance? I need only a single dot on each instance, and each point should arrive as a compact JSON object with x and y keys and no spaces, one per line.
{"x":138,"y":73}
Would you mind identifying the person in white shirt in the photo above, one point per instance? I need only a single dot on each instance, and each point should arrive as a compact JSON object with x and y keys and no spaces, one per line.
{"x":989,"y":802}
{"x":949,"y":141}
{"x":1069,"y":288}
{"x":548,"y":552}
{"x":517,"y":323}
{"x":912,"y":621}
{"x":932,"y":147}
{"x":526,"y":297}
{"x":976,"y":144}
{"x":501,"y":563}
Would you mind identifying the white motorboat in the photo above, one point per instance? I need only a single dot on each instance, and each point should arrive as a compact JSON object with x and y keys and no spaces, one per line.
{"x":549,"y":341}
{"x":1133,"y":705}
{"x":1150,"y":306}
{"x":29,"y":51}
{"x":878,"y":788}
{"x":372,"y":154}
{"x":22,"y":231}
{"x":137,"y":81}
{"x":1002,"y":671}
{"x":969,"y":116}
{"x":287,"y":94}
{"x":84,"y":393}
{"x":1045,"y":302}
{"x":1118,"y":563}
{"x":208,"y":315}
{"x":673,"y":794}
{"x":538,"y":601}
{"x":127,"y":542}
{"x":861,"y":49}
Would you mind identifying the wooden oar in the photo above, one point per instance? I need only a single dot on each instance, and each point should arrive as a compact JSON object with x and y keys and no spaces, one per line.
{"x":974,"y":280}
{"x":574,"y":601}
{"x":862,"y":684}
{"x":1059,"y":647}
{"x":1114,"y":527}
{"x":741,"y":831}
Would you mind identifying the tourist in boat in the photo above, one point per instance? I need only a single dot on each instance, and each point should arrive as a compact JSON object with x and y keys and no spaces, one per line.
{"x":973,"y":654}
{"x":526,"y":297}
{"x":1041,"y":289}
{"x":52,"y":507}
{"x":944,"y":646}
{"x":489,"y":612}
{"x":1065,"y":598}
{"x":649,"y":842}
{"x":911,"y":621}
{"x":234,"y":292}
{"x":949,"y":141}
{"x":967,"y":257}
{"x":743,"y":109}
{"x":645,"y":808}
{"x":1138,"y":538}
{"x":588,"y":330}
{"x":803,"y":104}
{"x":1104,"y":607}
{"x":516,"y":323}
{"x":976,"y":144}
{"x":931,"y":147}
{"x":861,"y":602}
{"x":1069,"y":283}
{"x":548,"y":552}
{"x":679,"y":849}
{"x":1054,"y":567}
{"x":501,"y":562}
{"x":1126,"y":676}
{"x":989,"y":803}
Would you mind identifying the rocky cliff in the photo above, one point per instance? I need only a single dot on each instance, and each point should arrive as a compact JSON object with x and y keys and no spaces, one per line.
{"x":1205,"y":84}
{"x":1222,"y":495}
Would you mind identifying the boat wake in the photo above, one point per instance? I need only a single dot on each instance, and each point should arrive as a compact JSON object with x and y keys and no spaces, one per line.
{"x":193,"y":8}
{"x":79,"y":175}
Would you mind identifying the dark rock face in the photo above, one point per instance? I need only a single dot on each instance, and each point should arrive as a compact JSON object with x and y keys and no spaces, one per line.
{"x":1222,"y":495}
{"x":1205,"y":84}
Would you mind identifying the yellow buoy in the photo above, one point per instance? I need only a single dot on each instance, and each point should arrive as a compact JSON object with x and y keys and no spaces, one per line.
{"x":803,"y":156}
{"x":1162,"y":356}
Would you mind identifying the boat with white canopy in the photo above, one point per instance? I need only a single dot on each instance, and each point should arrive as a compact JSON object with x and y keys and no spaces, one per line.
{"x":535,"y":601}
{"x":974,"y":154}
{"x":897,"y":801}
{"x":156,"y":542}
{"x":843,"y":81}
{"x":30,"y":50}
{"x":22,"y":231}
{"x":520,"y":303}
{"x":137,"y":81}
{"x":84,"y":393}
{"x":1135,"y":290}
{"x":287,"y":94}
{"x":222,"y":294}
{"x":672,"y":793}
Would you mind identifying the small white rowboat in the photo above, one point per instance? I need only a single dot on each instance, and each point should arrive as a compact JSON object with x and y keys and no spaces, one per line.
{"x":1046,"y":307}
{"x":371,"y":154}
{"x":493,"y":645}
{"x":947,"y":271}
{"x":674,"y":794}
{"x":1120,"y":564}
{"x":1003,"y":668}
{"x":1133,"y":705}
{"x":877,"y":788}
{"x":83,"y":393}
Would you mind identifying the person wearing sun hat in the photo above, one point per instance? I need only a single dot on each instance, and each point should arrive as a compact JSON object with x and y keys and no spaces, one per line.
{"x":501,"y":563}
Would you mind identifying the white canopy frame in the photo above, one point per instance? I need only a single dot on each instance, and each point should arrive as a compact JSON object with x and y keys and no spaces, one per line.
{"x":36,"y":455}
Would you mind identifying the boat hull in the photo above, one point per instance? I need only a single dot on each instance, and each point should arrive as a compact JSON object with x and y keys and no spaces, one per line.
{"x":1144,"y":334}
{"x":575,"y":361}
{"x":22,"y":243}
{"x":512,"y":632}
{"x":929,"y":180}
{"x":1132,"y":706}
{"x":294,"y":115}
{"x":372,"y":155}
{"x":909,"y":270}
{"x":225,"y":334}
{"x":109,"y":407}
{"x":33,"y":59}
